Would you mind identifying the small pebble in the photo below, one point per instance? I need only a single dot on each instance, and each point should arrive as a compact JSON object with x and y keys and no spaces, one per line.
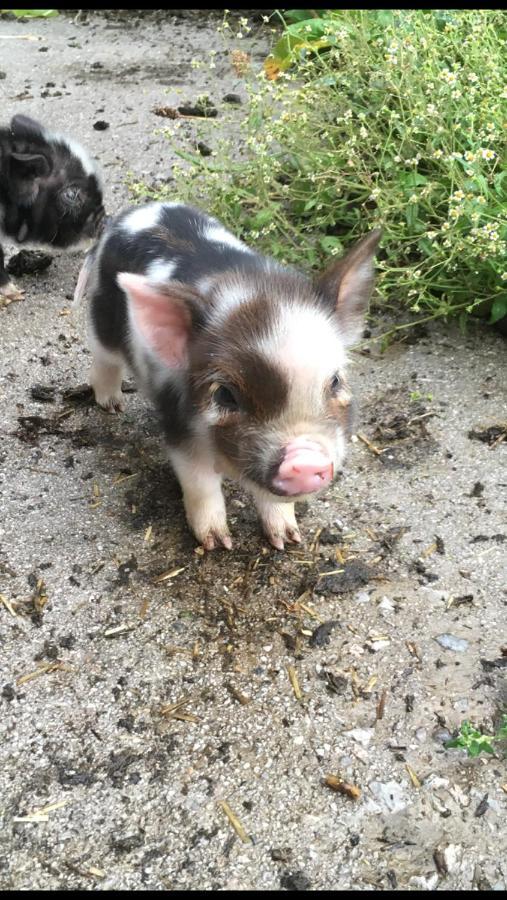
{"x":451,"y":642}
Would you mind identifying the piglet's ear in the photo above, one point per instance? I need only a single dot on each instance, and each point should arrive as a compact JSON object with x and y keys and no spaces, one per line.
{"x":24,"y":126}
{"x":30,"y":165}
{"x":161,"y":316}
{"x":348,"y":283}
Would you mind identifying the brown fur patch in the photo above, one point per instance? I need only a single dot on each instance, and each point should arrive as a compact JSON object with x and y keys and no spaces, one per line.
{"x":229,"y":357}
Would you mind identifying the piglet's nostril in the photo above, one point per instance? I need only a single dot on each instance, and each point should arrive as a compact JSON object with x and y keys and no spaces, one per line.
{"x":305,"y":468}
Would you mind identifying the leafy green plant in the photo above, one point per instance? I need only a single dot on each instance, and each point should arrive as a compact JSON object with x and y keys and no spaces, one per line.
{"x":31,"y":13}
{"x":474,"y":742}
{"x":390,"y":118}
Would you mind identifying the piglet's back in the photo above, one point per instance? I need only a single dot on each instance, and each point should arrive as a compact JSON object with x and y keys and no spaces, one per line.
{"x":164,"y":242}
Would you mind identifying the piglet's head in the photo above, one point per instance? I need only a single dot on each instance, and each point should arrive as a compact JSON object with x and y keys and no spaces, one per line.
{"x":276,"y":369}
{"x":55,"y":193}
{"x":265,"y":355}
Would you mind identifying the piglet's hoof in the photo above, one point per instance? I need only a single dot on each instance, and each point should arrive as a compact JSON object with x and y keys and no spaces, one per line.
{"x":216,"y":539}
{"x":9,"y":293}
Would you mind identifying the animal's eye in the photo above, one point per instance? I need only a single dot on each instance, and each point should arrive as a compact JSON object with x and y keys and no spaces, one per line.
{"x":336,"y":384}
{"x":224,"y":397}
{"x":71,"y":196}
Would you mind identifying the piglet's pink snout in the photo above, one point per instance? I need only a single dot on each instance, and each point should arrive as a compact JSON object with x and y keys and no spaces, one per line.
{"x":305,"y":468}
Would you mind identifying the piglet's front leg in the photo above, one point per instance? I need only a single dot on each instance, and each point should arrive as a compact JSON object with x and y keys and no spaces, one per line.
{"x":202,"y":495}
{"x":8,"y":290}
{"x":277,"y":519}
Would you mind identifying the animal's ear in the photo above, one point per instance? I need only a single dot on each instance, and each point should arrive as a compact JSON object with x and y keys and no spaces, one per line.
{"x":30,"y":165}
{"x":348,"y":284}
{"x":163,"y":316}
{"x":25,"y":127}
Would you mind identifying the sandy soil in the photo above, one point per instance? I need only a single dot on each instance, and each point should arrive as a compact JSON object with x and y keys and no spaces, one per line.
{"x":143,"y":684}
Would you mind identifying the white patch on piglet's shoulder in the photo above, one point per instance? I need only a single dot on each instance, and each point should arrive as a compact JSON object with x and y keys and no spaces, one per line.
{"x":161,"y":270}
{"x":140,"y":219}
{"x":231,"y":293}
{"x":220,"y":235}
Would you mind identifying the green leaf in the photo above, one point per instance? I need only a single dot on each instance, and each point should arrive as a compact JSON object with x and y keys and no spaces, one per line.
{"x":411,"y":214}
{"x":331,"y":243}
{"x":498,"y":309}
{"x":413,"y":179}
{"x":498,"y":183}
{"x":384,"y":17}
{"x":425,"y":245}
{"x":263,"y":217}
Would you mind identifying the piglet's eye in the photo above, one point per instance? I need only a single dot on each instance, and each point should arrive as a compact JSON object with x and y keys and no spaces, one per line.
{"x":336,"y":384}
{"x":71,"y":196}
{"x":225,"y":399}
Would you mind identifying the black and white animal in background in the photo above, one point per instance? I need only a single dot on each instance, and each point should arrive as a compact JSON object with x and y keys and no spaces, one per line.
{"x":244,"y":359}
{"x":50,"y":191}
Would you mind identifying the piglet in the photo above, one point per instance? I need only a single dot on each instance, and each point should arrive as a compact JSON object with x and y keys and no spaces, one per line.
{"x":244,"y":359}
{"x":50,"y":191}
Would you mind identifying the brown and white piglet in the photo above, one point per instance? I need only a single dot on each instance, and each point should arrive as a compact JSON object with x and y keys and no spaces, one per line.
{"x":50,"y":191}
{"x":244,"y":359}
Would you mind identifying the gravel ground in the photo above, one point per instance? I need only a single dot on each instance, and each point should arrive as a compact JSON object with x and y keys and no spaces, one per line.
{"x":132,"y":705}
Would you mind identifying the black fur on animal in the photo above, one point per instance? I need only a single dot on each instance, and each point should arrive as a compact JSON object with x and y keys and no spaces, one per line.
{"x":50,"y":189}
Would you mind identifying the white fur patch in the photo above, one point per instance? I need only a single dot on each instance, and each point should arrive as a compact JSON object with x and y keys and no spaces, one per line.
{"x":308,"y":348}
{"x":142,"y":218}
{"x":220,"y":235}
{"x":231,"y":294}
{"x":306,"y":343}
{"x":161,"y":270}
{"x":89,"y":165}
